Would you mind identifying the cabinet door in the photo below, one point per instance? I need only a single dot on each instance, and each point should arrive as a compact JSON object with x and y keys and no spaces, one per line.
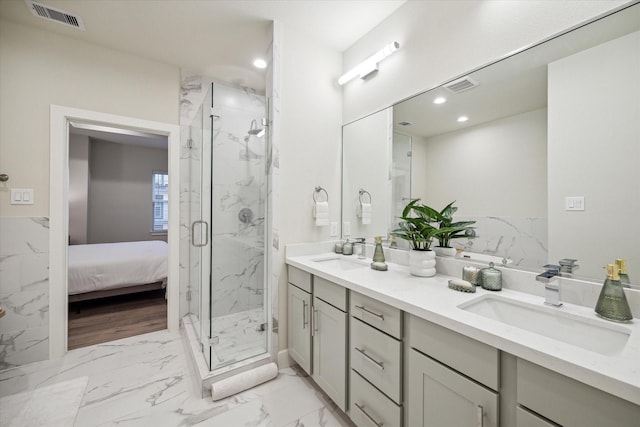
{"x":440,"y":397}
{"x":330,"y":351}
{"x":299,"y":327}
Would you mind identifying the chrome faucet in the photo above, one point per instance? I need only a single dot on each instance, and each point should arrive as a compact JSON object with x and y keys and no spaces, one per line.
{"x":551,"y":286}
{"x":358,"y":244}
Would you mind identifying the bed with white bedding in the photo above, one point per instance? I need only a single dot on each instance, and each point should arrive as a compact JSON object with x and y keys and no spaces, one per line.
{"x":107,"y":269}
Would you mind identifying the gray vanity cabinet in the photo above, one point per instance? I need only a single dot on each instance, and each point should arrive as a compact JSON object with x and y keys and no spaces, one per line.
{"x":452,"y":380}
{"x":376,"y":363}
{"x":568,"y":402}
{"x":299,"y":317}
{"x":330,"y":340}
{"x":317,"y":331}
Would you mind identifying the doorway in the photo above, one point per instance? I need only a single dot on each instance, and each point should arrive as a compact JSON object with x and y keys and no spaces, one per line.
{"x":61,"y":117}
{"x":118,"y":224}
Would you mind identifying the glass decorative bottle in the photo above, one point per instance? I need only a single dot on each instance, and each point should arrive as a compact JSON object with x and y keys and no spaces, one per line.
{"x":624,"y":276}
{"x":612,"y":303}
{"x":378,"y":256}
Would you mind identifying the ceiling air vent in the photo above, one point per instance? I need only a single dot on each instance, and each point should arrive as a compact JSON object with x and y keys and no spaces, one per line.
{"x":53,"y":14}
{"x":460,"y":85}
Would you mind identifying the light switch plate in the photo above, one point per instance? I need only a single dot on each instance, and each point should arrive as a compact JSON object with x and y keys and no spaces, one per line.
{"x":22,"y":196}
{"x":574,"y":203}
{"x":333,"y":229}
{"x":346,"y":229}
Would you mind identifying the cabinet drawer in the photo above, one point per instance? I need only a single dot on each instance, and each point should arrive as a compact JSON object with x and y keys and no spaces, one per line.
{"x":473,"y":358}
{"x":378,"y":314}
{"x":327,"y":291}
{"x":300,"y":278}
{"x":571,"y":403}
{"x":369,"y":407}
{"x":525,"y":418}
{"x":377,"y":357}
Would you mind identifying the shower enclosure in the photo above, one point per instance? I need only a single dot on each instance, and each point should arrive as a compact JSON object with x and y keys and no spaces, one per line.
{"x":227,"y":289}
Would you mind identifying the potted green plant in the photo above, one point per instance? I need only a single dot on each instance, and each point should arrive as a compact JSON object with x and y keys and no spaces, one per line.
{"x":418,"y":226}
{"x":450,"y":230}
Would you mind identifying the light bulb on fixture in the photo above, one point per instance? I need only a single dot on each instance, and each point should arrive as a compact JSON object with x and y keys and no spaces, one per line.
{"x":369,"y":65}
{"x":260,"y":63}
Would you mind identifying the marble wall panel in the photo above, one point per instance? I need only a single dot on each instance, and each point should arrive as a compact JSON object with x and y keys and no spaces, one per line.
{"x":24,"y":290}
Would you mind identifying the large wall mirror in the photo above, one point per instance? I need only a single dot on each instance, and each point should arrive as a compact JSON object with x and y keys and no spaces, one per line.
{"x":547,"y":162}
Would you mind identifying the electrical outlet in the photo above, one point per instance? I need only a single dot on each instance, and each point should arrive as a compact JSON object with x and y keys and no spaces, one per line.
{"x":333,"y":229}
{"x":346,"y":229}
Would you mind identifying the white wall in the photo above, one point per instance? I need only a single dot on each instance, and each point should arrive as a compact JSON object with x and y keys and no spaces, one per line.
{"x":309,"y":141}
{"x":594,"y":152}
{"x":40,"y":68}
{"x":78,"y":188}
{"x":120,"y":191}
{"x":497,"y":168}
{"x":443,"y":39}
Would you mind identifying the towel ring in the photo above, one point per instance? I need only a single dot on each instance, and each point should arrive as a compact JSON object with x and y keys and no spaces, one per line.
{"x":361,"y":193}
{"x":318,"y":190}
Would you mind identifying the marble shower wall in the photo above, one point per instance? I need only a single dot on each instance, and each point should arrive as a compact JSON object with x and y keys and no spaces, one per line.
{"x":239,"y":184}
{"x":523,"y":240}
{"x":24,"y":290}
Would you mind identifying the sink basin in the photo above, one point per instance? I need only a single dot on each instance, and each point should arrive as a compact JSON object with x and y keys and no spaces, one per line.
{"x":587,"y":333}
{"x":342,"y":262}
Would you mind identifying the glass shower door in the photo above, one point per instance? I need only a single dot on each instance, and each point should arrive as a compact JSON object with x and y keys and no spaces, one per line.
{"x":234,"y":189}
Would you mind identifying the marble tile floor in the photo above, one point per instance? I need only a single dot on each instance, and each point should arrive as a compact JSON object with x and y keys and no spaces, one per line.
{"x":147,"y":381}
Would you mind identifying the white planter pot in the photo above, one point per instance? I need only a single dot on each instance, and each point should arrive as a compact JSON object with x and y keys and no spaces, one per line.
{"x":444,"y":251}
{"x":422,"y":263}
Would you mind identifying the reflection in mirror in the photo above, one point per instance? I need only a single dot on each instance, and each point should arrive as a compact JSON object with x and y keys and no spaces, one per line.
{"x":366,"y":166}
{"x":556,"y":121}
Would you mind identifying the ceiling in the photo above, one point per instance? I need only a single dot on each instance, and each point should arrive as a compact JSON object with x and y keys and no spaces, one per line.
{"x":511,"y":86}
{"x":217,"y":38}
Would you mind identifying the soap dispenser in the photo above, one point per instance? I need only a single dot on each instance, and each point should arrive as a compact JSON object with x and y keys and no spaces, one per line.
{"x":624,"y":276}
{"x":612,"y":303}
{"x":378,"y":256}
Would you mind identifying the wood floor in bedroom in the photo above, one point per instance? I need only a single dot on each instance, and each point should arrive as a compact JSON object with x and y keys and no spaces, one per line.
{"x":108,"y":319}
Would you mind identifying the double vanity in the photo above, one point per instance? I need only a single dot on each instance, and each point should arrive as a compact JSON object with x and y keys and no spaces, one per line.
{"x":391,"y":349}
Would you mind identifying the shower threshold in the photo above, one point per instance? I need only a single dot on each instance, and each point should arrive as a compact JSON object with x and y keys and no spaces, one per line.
{"x":203,"y":377}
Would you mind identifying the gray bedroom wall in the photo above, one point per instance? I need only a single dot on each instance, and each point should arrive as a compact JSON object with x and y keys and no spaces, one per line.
{"x":120,"y":207}
{"x":78,"y":188}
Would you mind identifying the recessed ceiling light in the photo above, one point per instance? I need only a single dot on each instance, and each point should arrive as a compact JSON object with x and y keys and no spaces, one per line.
{"x":440,"y":100}
{"x":463,"y":119}
{"x":260,"y":63}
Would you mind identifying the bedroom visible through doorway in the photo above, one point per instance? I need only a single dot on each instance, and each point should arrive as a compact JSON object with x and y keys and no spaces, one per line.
{"x":117,"y":233}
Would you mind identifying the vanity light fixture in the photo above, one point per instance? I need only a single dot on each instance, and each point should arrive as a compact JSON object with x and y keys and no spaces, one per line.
{"x":463,"y":119}
{"x":440,"y":100}
{"x":369,"y":65}
{"x":259,"y":63}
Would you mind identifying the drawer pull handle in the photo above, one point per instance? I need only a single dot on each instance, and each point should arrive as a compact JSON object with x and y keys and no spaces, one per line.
{"x":363,"y":308}
{"x":480,"y":415}
{"x":305,"y":322}
{"x":378,"y":364}
{"x":361,"y":407}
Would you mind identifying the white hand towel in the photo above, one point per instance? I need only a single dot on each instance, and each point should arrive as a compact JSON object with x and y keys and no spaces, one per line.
{"x":322,"y":213}
{"x":366,"y":213}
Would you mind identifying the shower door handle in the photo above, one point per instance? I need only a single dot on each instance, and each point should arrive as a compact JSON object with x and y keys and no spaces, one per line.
{"x":193,"y":233}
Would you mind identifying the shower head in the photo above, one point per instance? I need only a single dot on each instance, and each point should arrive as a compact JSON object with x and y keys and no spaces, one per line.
{"x":254,"y":129}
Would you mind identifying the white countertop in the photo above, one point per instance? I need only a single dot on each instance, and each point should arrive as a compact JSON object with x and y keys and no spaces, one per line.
{"x":432,"y":300}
